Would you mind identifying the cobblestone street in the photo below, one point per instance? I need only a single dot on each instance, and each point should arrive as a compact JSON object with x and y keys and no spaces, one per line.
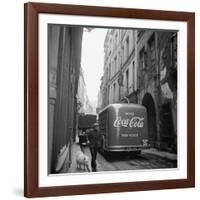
{"x":148,"y":159}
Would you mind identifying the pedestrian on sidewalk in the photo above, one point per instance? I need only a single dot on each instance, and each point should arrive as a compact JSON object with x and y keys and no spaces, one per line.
{"x":93,"y":136}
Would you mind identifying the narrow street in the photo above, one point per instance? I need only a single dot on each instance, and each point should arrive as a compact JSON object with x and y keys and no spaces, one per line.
{"x":127,"y":161}
{"x":128,"y":99}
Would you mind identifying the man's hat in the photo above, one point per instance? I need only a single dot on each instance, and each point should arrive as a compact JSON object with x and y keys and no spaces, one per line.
{"x":95,"y":124}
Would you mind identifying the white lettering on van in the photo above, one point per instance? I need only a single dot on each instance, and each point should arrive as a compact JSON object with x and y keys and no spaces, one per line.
{"x":134,"y":122}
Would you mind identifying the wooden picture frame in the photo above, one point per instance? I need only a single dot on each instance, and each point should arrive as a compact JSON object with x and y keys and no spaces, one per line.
{"x":31,"y":103}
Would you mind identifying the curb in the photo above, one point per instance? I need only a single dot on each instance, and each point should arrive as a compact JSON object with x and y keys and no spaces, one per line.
{"x":163,"y":154}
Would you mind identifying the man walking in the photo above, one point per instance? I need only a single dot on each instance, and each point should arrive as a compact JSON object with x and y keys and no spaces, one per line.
{"x":93,"y":144}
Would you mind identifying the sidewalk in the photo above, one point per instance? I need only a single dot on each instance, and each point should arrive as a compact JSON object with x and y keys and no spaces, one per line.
{"x":104,"y":166}
{"x":163,"y":154}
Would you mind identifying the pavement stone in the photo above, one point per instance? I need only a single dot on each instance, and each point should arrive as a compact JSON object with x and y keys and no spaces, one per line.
{"x":163,"y":154}
{"x":75,"y":147}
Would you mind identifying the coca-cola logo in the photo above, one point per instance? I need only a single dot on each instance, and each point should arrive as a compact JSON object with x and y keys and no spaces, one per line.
{"x":134,"y":122}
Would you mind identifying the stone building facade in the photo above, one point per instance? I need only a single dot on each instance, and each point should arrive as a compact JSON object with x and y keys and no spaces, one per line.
{"x":83,"y":103}
{"x":141,"y":67}
{"x":118,"y":80}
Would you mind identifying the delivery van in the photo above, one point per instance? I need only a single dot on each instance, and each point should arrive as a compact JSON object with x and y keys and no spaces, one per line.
{"x":123,"y":127}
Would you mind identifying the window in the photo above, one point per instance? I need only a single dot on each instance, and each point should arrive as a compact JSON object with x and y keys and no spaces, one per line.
{"x":115,"y":63}
{"x":114,"y":92}
{"x":110,"y":46}
{"x":118,"y":93}
{"x":141,"y":68}
{"x":109,"y":70}
{"x":127,"y":47}
{"x":139,"y":34}
{"x":118,"y":61}
{"x":152,"y":51}
{"x":127,"y":81}
{"x":122,"y":55}
{"x":116,"y":39}
{"x":109,"y":94}
{"x":112,"y":69}
{"x":142,"y":59}
{"x":133,"y":74}
{"x":106,"y":75}
{"x":174,"y":50}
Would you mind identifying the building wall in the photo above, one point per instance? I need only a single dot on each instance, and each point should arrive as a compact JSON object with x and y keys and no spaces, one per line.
{"x":119,"y":57}
{"x":53,"y":41}
{"x":145,"y":73}
{"x":157,"y":86}
{"x":66,"y":64}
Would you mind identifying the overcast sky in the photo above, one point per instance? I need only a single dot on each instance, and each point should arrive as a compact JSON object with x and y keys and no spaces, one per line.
{"x":93,"y":60}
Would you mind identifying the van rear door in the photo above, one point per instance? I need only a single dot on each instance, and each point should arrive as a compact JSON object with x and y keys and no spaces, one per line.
{"x":127,"y":125}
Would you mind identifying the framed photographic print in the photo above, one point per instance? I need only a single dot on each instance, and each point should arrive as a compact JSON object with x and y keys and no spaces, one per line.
{"x":109,"y":99}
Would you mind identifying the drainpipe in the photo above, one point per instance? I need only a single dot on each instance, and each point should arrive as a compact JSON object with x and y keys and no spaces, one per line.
{"x":136,"y":68}
{"x":158,"y":88}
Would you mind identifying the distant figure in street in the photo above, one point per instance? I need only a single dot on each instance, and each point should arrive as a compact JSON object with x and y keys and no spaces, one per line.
{"x":93,"y":135}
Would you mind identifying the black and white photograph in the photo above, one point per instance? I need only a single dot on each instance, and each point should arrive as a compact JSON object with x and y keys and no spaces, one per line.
{"x":112,"y":99}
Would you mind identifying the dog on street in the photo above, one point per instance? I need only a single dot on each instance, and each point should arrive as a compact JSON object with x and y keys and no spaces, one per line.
{"x":82,"y":161}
